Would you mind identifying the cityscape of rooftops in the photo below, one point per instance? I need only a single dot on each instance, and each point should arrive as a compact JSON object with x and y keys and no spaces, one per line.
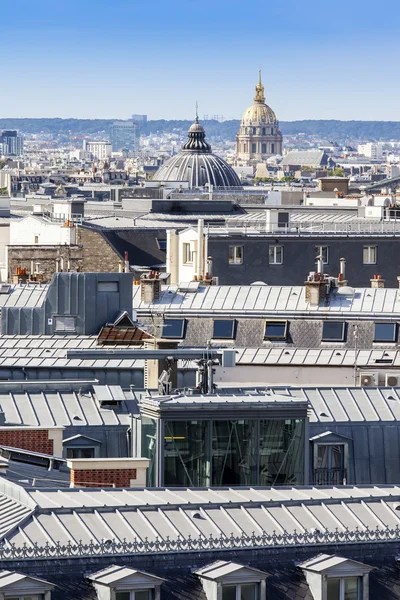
{"x":199,"y":301}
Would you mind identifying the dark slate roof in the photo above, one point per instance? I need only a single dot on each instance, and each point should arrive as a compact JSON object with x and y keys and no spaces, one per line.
{"x":141,"y":245}
{"x":305,"y":157}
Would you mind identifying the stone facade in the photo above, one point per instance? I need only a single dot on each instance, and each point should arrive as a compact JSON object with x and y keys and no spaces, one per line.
{"x":92,"y":253}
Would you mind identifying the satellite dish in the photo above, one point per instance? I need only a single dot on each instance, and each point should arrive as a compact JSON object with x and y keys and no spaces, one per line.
{"x":346,"y":290}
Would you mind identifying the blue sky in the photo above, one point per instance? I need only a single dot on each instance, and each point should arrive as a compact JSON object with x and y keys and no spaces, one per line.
{"x":90,"y":59}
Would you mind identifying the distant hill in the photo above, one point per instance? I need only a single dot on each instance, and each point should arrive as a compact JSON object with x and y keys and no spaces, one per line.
{"x":332,"y":130}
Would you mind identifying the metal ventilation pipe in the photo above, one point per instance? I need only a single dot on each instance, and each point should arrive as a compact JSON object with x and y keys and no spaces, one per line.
{"x":320,"y":264}
{"x":342,"y":268}
{"x":200,"y":245}
{"x":126,"y":262}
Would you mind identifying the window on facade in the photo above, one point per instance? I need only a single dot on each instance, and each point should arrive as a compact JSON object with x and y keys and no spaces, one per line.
{"x":263,"y":130}
{"x":134,"y":595}
{"x":344,"y":588}
{"x":283,"y":219}
{"x":276,"y":255}
{"x":275,"y":330}
{"x":36,"y":239}
{"x":254,"y":148}
{"x":35,"y":597}
{"x":385,"y":332}
{"x":324,"y":252}
{"x":224,"y":329}
{"x":67,"y":324}
{"x":272,"y":145}
{"x":186,"y":453}
{"x":187,"y":254}
{"x":244,"y":591}
{"x":333,"y":331}
{"x":107,"y":286}
{"x":173,"y":328}
{"x":235,"y":255}
{"x":281,"y":452}
{"x":369,"y":255}
{"x":80,"y":453}
{"x":329,"y":464}
{"x":264,"y":148}
{"x":254,"y":130}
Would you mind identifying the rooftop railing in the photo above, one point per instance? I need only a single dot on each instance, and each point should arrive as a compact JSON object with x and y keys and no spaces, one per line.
{"x":112,"y":547}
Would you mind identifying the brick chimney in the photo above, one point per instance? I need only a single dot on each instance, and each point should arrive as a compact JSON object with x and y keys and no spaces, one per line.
{"x":36,"y":439}
{"x":150,"y":287}
{"x":316,"y":285}
{"x":377,"y":282}
{"x":108,"y":472}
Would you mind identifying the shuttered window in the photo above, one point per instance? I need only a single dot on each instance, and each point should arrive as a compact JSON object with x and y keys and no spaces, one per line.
{"x":65,"y":324}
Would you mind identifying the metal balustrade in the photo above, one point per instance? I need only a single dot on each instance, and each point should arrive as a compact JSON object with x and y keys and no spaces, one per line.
{"x":112,"y":547}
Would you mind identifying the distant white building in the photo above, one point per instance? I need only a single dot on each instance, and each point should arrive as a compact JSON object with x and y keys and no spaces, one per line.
{"x":374,"y":151}
{"x":99,"y":150}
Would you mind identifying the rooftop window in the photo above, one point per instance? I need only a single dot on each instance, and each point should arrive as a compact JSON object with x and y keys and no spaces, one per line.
{"x":224,"y":329}
{"x":276,"y":330}
{"x":333,"y":331}
{"x":173,"y":328}
{"x":162,"y":244}
{"x":385,"y":332}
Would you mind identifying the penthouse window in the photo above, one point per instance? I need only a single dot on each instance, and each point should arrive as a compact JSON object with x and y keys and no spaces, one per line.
{"x":369,"y":255}
{"x":173,"y":328}
{"x":385,"y":332}
{"x":224,"y":329}
{"x":276,"y":255}
{"x":324,"y":252}
{"x":333,"y":331}
{"x":235,"y":255}
{"x":275,"y":330}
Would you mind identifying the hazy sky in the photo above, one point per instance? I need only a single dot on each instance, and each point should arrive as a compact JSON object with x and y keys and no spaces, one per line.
{"x":88,"y":59}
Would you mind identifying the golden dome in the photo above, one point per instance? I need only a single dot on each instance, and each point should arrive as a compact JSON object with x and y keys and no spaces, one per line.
{"x":259,"y":112}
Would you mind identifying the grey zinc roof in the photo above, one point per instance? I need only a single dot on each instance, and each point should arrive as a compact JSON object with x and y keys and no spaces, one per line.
{"x":148,"y":516}
{"x":264,"y":299}
{"x":344,"y":404}
{"x":51,"y":351}
{"x":61,"y":404}
{"x":317,"y":356}
{"x":29,"y":295}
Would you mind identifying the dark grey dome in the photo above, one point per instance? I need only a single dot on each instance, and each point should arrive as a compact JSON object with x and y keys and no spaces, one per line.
{"x":197,"y":165}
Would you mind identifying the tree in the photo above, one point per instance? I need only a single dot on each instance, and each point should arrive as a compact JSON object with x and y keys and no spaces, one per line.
{"x":338,"y":172}
{"x":288,"y":178}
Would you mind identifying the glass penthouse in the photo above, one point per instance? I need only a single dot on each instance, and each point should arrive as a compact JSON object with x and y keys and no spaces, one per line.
{"x":225,"y":439}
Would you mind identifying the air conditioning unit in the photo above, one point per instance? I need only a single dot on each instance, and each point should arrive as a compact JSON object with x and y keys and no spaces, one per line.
{"x":368,"y":379}
{"x":392,"y":379}
{"x":215,"y":281}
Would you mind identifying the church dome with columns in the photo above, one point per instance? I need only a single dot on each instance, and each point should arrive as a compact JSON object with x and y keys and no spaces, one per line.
{"x":259,"y":136}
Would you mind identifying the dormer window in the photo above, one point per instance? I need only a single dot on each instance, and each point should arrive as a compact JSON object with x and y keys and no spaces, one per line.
{"x":332,"y":577}
{"x":245,"y":591}
{"x":16,"y":586}
{"x":135,"y":595}
{"x":124,"y":583}
{"x":224,"y":580}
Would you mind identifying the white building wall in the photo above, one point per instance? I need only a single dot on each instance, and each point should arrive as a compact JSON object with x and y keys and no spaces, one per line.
{"x":32,"y":230}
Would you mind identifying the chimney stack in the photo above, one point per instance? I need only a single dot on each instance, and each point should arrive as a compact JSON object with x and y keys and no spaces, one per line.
{"x":108,"y":472}
{"x":342,"y":281}
{"x":150,"y":287}
{"x":377,"y":282}
{"x":316,"y":284}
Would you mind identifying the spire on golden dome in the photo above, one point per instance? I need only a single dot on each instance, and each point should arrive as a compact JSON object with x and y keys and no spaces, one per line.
{"x":259,"y":97}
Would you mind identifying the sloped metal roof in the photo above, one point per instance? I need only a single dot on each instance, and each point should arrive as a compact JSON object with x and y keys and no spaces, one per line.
{"x":161,"y":520}
{"x":262,"y":300}
{"x":348,"y":404}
